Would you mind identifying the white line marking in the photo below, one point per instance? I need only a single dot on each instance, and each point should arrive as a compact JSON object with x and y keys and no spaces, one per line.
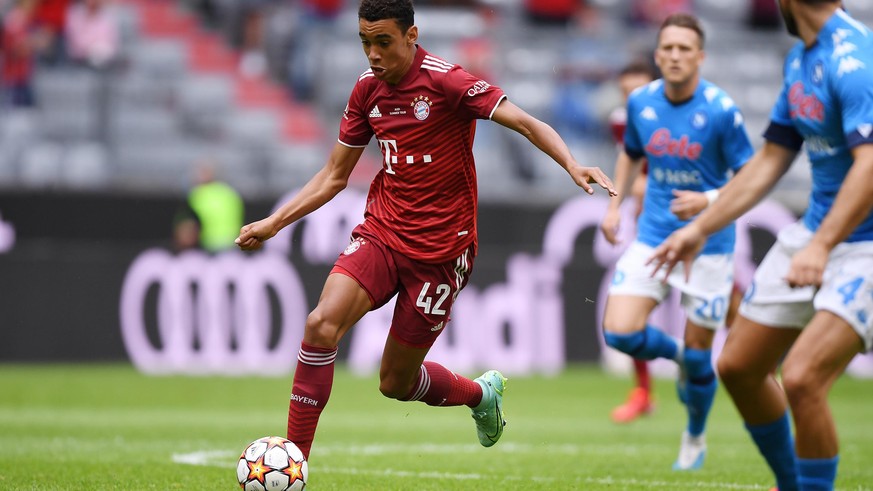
{"x":227,"y":459}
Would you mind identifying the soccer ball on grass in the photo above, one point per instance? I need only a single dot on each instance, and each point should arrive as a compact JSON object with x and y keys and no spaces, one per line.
{"x":272,"y":463}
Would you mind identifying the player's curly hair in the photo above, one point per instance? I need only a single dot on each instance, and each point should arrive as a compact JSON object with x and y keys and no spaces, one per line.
{"x":401,"y":11}
{"x":687,"y":21}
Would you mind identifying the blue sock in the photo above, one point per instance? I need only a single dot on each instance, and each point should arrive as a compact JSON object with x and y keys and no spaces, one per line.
{"x":648,"y":344}
{"x":700,"y":390}
{"x":775,"y":443}
{"x":817,"y":474}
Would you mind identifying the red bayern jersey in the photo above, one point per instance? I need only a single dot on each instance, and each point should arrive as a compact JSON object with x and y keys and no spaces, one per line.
{"x":423,"y":201}
{"x":618,"y":124}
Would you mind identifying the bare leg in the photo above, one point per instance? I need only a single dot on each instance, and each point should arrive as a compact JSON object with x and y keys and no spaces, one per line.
{"x":749,"y":358}
{"x":821,"y":354}
{"x":343,"y":302}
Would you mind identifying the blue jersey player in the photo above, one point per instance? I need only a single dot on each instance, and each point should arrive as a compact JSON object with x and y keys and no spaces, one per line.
{"x":812,"y":297}
{"x":693,"y":137}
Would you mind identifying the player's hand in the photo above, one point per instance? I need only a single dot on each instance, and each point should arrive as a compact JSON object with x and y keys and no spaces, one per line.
{"x":807,"y":266}
{"x":610,"y":225}
{"x":686,"y":204}
{"x":252,"y":236}
{"x":682,"y":245}
{"x":585,"y":176}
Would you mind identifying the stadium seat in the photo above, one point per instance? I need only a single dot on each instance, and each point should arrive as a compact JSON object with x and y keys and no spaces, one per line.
{"x":40,"y":164}
{"x":86,"y":166}
{"x":205,"y":102}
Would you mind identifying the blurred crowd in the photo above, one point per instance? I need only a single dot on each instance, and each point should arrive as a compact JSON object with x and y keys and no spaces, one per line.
{"x":555,"y":58}
{"x":52,"y":32}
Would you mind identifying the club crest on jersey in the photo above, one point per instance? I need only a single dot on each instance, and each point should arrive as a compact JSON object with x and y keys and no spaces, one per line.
{"x":698,"y":120}
{"x":817,"y":72}
{"x":354,"y":246}
{"x":421,"y":107}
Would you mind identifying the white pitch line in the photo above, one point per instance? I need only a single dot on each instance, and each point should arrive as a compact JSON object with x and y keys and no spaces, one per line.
{"x":226,"y":459}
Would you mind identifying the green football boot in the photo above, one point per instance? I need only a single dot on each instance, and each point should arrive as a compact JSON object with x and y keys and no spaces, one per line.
{"x":489,"y":413}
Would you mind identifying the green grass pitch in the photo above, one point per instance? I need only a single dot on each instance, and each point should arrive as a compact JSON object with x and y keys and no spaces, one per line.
{"x":106,"y":427}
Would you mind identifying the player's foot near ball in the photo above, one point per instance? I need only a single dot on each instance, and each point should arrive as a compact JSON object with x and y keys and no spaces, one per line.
{"x":639,"y":403}
{"x":489,"y":413}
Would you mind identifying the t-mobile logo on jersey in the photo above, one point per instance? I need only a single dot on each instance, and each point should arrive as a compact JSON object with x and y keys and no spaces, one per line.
{"x":389,"y":149}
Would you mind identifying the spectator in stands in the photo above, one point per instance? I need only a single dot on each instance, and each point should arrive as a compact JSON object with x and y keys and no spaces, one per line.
{"x":317,"y":17}
{"x":23,"y":37}
{"x":212,"y":215}
{"x":92,"y":33}
{"x":253,"y":13}
{"x":653,"y":12}
{"x":560,"y":13}
{"x":52,"y":15}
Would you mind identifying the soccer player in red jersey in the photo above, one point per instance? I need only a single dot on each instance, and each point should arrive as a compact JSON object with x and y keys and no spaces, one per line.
{"x":419,"y":236}
{"x":636,"y":74}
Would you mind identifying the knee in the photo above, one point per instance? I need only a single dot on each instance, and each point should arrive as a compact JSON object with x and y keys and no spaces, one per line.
{"x":730,"y":371}
{"x":799,"y":385}
{"x":698,"y":363}
{"x":320,"y":331}
{"x":626,"y":343}
{"x":393,"y":388}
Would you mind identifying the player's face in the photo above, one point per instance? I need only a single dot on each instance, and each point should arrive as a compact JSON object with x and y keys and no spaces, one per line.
{"x":678,"y":55}
{"x":630,"y":81}
{"x":389,"y":51}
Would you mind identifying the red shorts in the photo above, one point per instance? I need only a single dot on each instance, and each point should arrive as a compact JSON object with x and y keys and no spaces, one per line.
{"x":425,"y":292}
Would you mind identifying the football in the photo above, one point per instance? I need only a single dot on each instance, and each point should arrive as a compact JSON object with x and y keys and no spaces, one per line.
{"x":272,"y":463}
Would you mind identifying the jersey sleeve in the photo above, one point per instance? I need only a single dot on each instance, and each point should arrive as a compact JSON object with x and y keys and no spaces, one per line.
{"x":854,"y":89}
{"x":633,"y":146}
{"x":473,"y":97}
{"x":781,"y":113}
{"x":781,"y":129}
{"x":736,"y":147}
{"x":355,"y":129}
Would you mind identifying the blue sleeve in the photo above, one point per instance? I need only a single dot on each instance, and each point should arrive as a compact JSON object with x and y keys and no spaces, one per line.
{"x":736,"y":147}
{"x":632,"y":144}
{"x":853,"y":85}
{"x":781,"y":113}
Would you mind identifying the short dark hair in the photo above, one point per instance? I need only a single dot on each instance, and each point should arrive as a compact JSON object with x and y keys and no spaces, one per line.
{"x":640,"y":67}
{"x":687,"y":21}
{"x":401,"y":11}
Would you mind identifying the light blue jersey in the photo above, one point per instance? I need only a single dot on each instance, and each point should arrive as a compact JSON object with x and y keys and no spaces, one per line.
{"x":694,"y":145}
{"x":827,"y":97}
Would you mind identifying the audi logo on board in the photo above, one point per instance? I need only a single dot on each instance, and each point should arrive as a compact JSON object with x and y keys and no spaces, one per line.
{"x":212,"y":313}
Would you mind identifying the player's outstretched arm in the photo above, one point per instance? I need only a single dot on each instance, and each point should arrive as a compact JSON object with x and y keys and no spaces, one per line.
{"x":740,"y":194}
{"x":324,"y":185}
{"x":547,"y":139}
{"x":852,"y":205}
